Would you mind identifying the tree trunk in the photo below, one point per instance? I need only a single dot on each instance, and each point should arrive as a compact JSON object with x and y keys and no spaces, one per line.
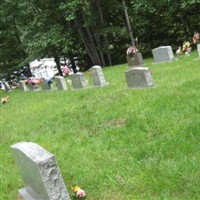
{"x":102,"y":25}
{"x":128,"y":23}
{"x":57,"y":61}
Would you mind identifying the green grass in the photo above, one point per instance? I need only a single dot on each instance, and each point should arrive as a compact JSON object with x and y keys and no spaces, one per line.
{"x":115,"y":142}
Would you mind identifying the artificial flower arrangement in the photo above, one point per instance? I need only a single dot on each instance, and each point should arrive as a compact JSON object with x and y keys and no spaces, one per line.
{"x":131,"y":50}
{"x":186,"y":49}
{"x":78,"y":192}
{"x":195,"y":38}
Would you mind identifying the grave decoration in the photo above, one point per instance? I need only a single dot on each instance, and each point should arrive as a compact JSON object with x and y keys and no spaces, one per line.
{"x":185,"y":49}
{"x":134,"y":57}
{"x":196,"y":41}
{"x":5,"y":99}
{"x":78,"y":192}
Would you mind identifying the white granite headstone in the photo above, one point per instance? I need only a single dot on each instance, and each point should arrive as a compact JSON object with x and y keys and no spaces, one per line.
{"x":22,"y":85}
{"x":198,"y":49}
{"x":98,"y":76}
{"x":60,"y":82}
{"x":78,"y":81}
{"x":163,"y":54}
{"x":40,"y":173}
{"x":139,"y":77}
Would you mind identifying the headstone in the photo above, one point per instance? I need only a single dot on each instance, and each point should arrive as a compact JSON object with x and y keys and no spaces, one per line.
{"x":60,"y":82}
{"x":40,"y":173}
{"x":163,"y":54}
{"x":7,"y":86}
{"x":198,"y":49}
{"x":78,"y":81}
{"x":45,"y":85}
{"x":135,"y":59}
{"x":22,"y":85}
{"x":98,"y":76}
{"x":139,"y":77}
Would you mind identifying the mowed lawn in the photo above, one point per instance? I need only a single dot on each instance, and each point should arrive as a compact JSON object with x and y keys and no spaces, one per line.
{"x":115,"y":142}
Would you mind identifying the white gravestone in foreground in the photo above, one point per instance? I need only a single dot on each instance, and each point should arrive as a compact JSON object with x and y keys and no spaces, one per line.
{"x":78,"y":81}
{"x":139,"y":77}
{"x":60,"y":82}
{"x":40,"y":173}
{"x":163,"y":54}
{"x":98,"y":76}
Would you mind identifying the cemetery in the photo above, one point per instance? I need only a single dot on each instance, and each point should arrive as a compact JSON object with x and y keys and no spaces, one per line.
{"x":100,"y":100}
{"x":90,"y":142}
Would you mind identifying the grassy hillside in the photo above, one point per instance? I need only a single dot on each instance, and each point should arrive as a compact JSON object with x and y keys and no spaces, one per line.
{"x":115,"y":142}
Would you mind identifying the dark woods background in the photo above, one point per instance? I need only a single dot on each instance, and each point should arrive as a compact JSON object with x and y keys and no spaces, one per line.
{"x":95,"y":31}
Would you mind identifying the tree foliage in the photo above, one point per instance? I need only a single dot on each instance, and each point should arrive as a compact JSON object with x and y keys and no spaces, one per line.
{"x":94,"y":30}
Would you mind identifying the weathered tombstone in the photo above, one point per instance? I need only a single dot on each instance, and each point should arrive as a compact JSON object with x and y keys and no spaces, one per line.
{"x":78,"y":81}
{"x":45,"y":85}
{"x":60,"y":82}
{"x":134,"y":59}
{"x":198,"y":49}
{"x":139,"y":77}
{"x":40,"y":173}
{"x":98,"y":76}
{"x":163,"y":54}
{"x":22,"y":85}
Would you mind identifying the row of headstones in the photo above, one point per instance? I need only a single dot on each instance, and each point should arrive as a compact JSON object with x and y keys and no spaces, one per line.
{"x":165,"y":53}
{"x":138,"y":77}
{"x":78,"y":81}
{"x":160,"y":54}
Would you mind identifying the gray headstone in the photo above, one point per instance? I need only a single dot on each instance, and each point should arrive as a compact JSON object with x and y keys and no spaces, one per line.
{"x":135,"y":59}
{"x":40,"y":173}
{"x":46,"y":86}
{"x":198,"y":49}
{"x":139,"y":77}
{"x":7,"y":86}
{"x":60,"y":82}
{"x":78,"y":81}
{"x":22,"y":85}
{"x":98,"y":76}
{"x":163,"y":54}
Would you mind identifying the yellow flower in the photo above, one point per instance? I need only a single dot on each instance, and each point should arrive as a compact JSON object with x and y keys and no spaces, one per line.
{"x":75,"y":189}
